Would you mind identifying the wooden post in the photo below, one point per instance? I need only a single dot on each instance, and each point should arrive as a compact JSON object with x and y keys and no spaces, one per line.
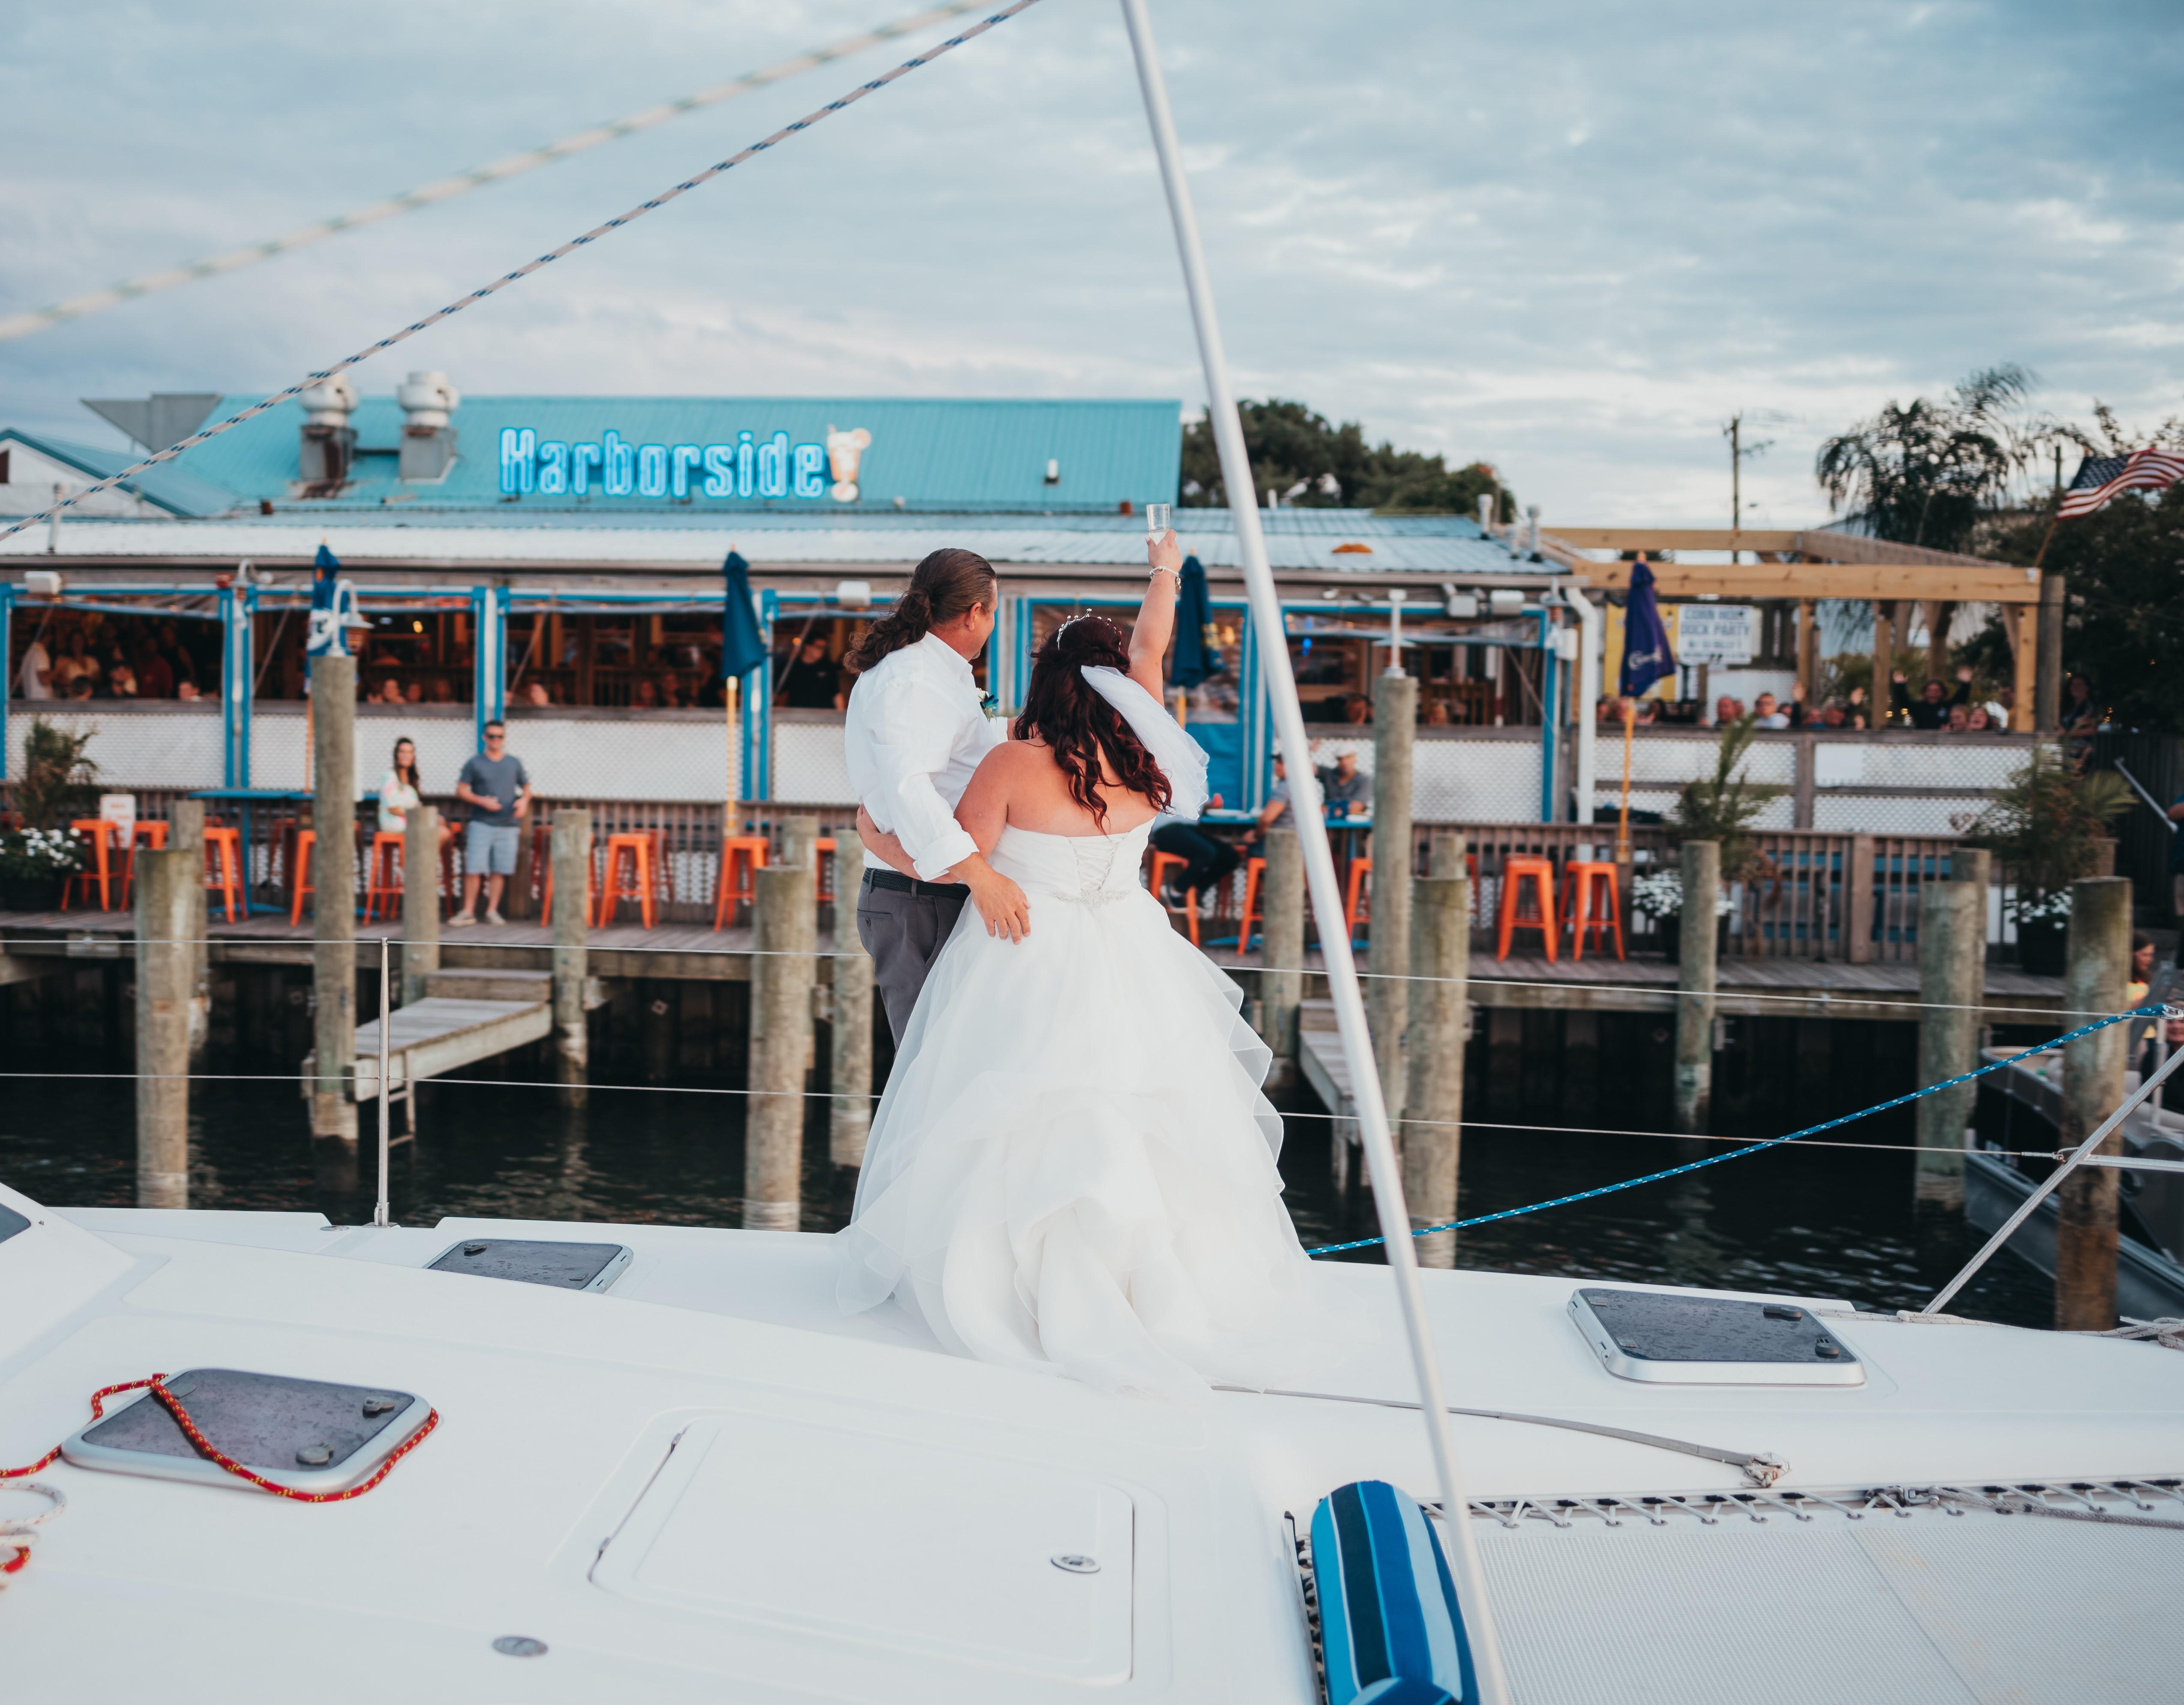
{"x":1808,"y":651}
{"x":1805,"y":777}
{"x":170,"y":911}
{"x":571,"y":852}
{"x":1695,"y":980}
{"x":1281,"y":952}
{"x":1433,"y":1105}
{"x":783,"y":974}
{"x":849,"y":1118}
{"x":1878,"y":700}
{"x":333,"y":878}
{"x":1388,"y":994}
{"x":185,"y":834}
{"x":420,"y":900}
{"x":1952,"y":978}
{"x":2048,"y":681}
{"x":1857,"y":902}
{"x":516,"y":897}
{"x":2025,"y":665}
{"x":2093,"y":981}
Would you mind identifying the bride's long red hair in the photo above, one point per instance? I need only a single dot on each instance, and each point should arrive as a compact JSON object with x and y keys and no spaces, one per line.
{"x":1078,"y":725}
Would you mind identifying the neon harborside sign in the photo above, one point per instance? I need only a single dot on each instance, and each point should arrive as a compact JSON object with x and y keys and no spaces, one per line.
{"x":751,"y":467}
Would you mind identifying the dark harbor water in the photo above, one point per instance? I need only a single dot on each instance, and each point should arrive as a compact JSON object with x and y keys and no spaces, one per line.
{"x":1838,"y":1221}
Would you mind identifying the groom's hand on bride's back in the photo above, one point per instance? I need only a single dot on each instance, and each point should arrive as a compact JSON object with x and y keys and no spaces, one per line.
{"x":1001,"y":904}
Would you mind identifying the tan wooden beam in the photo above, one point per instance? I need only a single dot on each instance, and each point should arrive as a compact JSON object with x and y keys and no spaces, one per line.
{"x":1822,"y":544}
{"x":1995,"y":585}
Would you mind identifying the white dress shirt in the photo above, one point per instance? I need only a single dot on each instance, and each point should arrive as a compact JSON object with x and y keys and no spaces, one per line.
{"x":916,"y":730}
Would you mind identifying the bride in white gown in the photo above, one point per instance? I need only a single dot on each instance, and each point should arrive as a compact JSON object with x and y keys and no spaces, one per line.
{"x":1072,"y":1168}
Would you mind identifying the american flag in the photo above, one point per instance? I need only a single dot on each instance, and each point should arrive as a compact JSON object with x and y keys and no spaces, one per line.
{"x":2101,"y":477}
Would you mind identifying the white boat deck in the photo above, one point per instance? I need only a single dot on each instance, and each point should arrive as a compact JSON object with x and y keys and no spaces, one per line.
{"x":707,"y":1483}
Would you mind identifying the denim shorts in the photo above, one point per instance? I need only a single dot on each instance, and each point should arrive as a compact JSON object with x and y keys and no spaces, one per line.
{"x":490,"y":849}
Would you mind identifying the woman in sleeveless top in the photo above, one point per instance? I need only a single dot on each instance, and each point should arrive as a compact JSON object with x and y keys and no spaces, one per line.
{"x":1072,"y":1168}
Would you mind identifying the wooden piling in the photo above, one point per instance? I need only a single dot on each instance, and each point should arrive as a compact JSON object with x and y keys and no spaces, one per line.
{"x":571,"y":853}
{"x":186,"y":835}
{"x":1388,"y":993}
{"x":1433,"y":1102}
{"x":333,"y":880}
{"x":784,"y":972}
{"x":2094,"y":981}
{"x":169,"y":912}
{"x":421,"y":901}
{"x":1952,"y":976}
{"x":1281,"y":950}
{"x":849,"y":1117}
{"x":1694,"y":982}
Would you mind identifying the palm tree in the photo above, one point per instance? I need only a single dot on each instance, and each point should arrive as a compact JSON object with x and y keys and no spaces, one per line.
{"x":1925,"y":474}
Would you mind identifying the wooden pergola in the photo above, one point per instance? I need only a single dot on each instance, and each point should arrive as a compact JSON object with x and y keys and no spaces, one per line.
{"x":1806,"y":567}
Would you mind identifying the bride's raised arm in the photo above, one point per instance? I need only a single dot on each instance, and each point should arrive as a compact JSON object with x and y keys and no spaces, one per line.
{"x":1155,"y":623}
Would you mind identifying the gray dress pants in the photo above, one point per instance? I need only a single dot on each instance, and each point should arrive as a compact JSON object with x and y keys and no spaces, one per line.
{"x":905,"y":931}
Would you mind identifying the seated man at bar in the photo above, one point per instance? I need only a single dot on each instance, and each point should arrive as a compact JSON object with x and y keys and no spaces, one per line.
{"x":1348,"y":790}
{"x":1208,"y":861}
{"x":495,"y":787}
{"x":814,"y":681}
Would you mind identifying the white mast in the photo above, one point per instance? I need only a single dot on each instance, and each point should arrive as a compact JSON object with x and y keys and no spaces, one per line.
{"x":1319,"y":864}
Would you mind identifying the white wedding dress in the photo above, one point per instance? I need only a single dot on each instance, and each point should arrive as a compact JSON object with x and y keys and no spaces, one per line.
{"x":1072,"y":1168}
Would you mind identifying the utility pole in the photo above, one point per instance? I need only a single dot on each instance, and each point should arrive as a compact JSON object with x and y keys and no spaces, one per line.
{"x":1733,"y":431}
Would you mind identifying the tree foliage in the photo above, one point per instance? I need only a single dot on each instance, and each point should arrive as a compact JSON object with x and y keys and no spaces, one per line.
{"x":1929,"y":472}
{"x":1292,"y":446}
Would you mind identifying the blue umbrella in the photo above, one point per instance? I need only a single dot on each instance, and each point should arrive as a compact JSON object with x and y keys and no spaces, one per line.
{"x":742,"y":649}
{"x":1647,"y":656}
{"x":1197,"y":655}
{"x":323,"y":634}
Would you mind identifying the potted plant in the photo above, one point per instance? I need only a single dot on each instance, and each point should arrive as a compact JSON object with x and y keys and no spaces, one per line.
{"x":34,"y":864}
{"x":57,"y":783}
{"x":2047,"y":826}
{"x":1660,"y":896}
{"x":1719,"y":807}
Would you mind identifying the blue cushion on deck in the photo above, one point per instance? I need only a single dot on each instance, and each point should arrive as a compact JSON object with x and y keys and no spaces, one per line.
{"x":1389,"y":1628}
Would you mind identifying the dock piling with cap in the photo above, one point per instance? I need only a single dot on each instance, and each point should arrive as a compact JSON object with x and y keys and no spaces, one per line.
{"x":333,"y":880}
{"x":784,"y":971}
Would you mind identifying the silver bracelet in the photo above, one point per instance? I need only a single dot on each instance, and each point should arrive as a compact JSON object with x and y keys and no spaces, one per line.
{"x":1163,"y":569}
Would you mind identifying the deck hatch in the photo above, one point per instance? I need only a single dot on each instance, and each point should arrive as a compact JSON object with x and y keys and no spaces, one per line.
{"x":1681,"y":1340}
{"x":537,"y":1261}
{"x":308,"y":1435}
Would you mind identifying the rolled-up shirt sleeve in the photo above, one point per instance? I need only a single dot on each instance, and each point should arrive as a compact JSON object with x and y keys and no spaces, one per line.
{"x":912,"y":736}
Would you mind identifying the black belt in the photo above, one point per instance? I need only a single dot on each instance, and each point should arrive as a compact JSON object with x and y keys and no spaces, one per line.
{"x":898,"y":883}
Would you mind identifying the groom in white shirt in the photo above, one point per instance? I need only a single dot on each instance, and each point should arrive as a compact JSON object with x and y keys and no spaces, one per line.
{"x":916,"y":730}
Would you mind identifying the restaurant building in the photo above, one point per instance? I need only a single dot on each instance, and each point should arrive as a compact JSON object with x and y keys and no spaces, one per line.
{"x":556,"y":561}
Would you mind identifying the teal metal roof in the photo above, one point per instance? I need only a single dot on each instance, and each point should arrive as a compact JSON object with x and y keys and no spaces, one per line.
{"x":170,"y":486}
{"x":931,"y":454}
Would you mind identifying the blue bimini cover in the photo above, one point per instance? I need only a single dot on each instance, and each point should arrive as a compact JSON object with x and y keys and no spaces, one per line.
{"x":1389,"y":1628}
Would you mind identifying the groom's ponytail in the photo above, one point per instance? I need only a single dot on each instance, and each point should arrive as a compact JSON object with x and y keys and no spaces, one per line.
{"x":943,"y":587}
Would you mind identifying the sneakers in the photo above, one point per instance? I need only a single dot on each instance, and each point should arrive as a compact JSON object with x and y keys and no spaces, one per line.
{"x":495,"y":918}
{"x":461,"y":920}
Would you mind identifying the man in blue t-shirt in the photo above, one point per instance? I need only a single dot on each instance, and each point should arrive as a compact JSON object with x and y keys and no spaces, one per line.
{"x":494,"y":787}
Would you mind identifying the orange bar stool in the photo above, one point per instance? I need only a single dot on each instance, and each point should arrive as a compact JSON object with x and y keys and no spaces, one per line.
{"x":383,"y":874}
{"x":224,"y":866}
{"x":102,"y":835}
{"x":1158,"y":879}
{"x":632,"y":853}
{"x":1518,"y":873}
{"x":1591,"y":901}
{"x":546,"y":888}
{"x":1357,"y":896}
{"x":737,"y":884}
{"x":1255,"y":870}
{"x":823,"y":854}
{"x":149,"y":836}
{"x":299,"y":873}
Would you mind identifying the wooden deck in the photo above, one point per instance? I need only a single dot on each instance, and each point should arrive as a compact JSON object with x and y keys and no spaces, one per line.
{"x":1748,"y":987}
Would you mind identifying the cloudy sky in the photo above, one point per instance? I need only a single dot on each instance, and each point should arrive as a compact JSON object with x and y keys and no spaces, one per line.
{"x":1568,"y":239}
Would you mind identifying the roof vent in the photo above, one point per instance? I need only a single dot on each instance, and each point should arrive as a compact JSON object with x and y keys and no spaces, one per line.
{"x":428,"y":440}
{"x":328,"y":449}
{"x":1053,"y":471}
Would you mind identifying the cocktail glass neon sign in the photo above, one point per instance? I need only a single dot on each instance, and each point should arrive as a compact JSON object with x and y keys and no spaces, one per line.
{"x":616,"y":468}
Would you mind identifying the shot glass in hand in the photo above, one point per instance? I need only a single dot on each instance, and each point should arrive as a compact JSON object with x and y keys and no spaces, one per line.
{"x":1158,"y":519}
